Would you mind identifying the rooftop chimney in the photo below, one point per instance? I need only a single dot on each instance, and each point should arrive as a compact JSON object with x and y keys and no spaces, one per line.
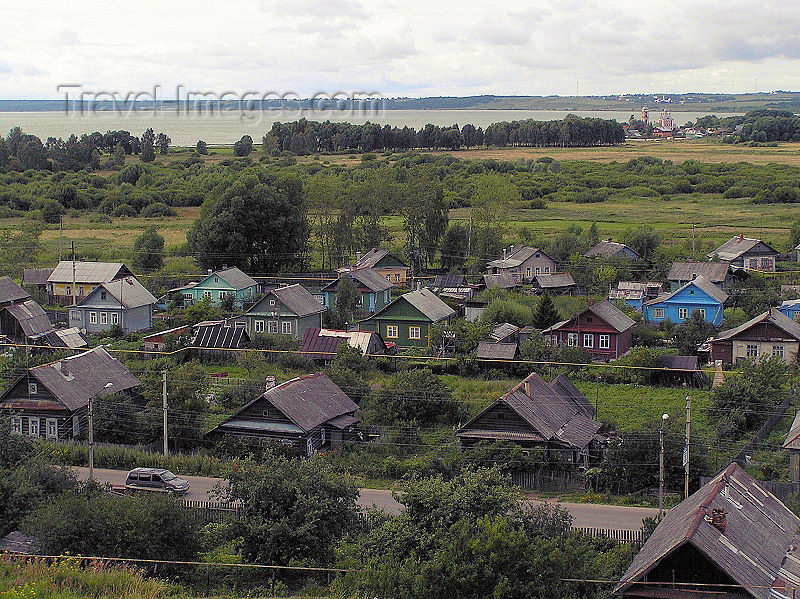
{"x":718,"y":519}
{"x":269,"y":383}
{"x":504,"y":253}
{"x":358,"y":256}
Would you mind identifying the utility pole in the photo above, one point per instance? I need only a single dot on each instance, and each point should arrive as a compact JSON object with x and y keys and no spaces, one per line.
{"x":661,"y":470}
{"x":686,"y":447}
{"x":694,"y":250}
{"x":91,"y":441}
{"x":164,"y":397}
{"x":74,"y":296}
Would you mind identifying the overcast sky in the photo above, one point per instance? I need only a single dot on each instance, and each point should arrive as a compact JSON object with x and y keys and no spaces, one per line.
{"x":400,"y":47}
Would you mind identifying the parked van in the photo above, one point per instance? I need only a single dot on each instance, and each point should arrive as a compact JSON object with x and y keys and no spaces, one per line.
{"x":157,"y":480}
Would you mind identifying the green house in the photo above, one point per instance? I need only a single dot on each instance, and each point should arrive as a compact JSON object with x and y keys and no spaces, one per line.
{"x":374,"y":291}
{"x":286,"y":310}
{"x":219,"y":285}
{"x":407,"y":321}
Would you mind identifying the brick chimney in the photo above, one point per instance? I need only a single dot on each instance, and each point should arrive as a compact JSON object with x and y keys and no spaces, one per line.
{"x":269,"y":383}
{"x":718,"y":519}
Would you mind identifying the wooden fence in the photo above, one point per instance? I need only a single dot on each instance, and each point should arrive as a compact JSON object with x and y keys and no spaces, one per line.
{"x":210,"y":511}
{"x":549,"y":480}
{"x":636,"y":537}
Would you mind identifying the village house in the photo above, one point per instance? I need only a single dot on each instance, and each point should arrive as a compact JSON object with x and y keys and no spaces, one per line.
{"x":71,"y":281}
{"x":51,"y":401}
{"x":408,"y":320}
{"x":321,"y":345}
{"x":730,"y":540}
{"x":286,"y":311}
{"x":309,"y":413}
{"x":556,"y":418}
{"x":699,"y":295}
{"x":374,"y":291}
{"x":634,"y":293}
{"x":221,"y":285}
{"x":11,"y":293}
{"x":523,"y":263}
{"x":612,"y":249}
{"x":124,"y":302}
{"x":769,"y":334}
{"x":747,"y":253}
{"x":791,"y":308}
{"x":385,"y":264}
{"x":602,"y":330}
{"x":721,"y":274}
{"x":555,"y":284}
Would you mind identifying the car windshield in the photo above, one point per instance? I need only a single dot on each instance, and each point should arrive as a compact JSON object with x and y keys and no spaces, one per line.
{"x":167,"y":475}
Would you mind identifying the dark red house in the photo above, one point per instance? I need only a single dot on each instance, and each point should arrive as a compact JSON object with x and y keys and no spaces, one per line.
{"x":602,"y":330}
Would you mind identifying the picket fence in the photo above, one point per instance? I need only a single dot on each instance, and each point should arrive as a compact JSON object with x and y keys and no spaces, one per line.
{"x":210,"y":511}
{"x":635,"y":537}
{"x":549,"y":480}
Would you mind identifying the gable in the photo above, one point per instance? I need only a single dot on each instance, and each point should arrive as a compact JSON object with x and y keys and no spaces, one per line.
{"x":213,"y":281}
{"x":502,"y":419}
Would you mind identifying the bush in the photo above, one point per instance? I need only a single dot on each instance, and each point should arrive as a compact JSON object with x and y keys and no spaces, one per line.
{"x":158,"y":210}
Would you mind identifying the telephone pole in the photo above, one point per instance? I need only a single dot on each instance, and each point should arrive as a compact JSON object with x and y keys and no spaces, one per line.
{"x":661,"y":467}
{"x":164,"y":397}
{"x":91,"y":441}
{"x":686,"y":447}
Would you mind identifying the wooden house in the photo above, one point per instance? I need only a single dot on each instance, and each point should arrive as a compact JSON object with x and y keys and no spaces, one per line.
{"x":747,"y":253}
{"x":500,"y":281}
{"x":556,"y":418}
{"x":408,"y":320}
{"x":283,"y":311}
{"x":321,"y":345}
{"x":374,"y":291}
{"x":309,"y":413}
{"x":71,"y":281}
{"x":791,"y":308}
{"x":523,"y":263}
{"x":612,"y":250}
{"x":497,"y":351}
{"x":769,"y":334}
{"x":24,"y":322}
{"x":221,"y":285}
{"x":699,"y":295}
{"x":720,"y":274}
{"x":124,"y":302}
{"x":792,"y":444}
{"x":11,"y":293}
{"x":731,"y":539}
{"x":385,"y":264}
{"x":560,"y":283}
{"x":51,"y":400}
{"x":602,"y":330}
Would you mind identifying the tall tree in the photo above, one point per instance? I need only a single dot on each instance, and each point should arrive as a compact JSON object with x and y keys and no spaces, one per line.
{"x":491,"y":201}
{"x":148,"y":250}
{"x":545,"y":314}
{"x":162,"y":141}
{"x":323,"y":194}
{"x":148,"y":146}
{"x":424,"y":213}
{"x":454,"y":248}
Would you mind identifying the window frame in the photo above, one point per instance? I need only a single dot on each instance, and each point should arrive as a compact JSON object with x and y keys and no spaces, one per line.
{"x":604,"y":341}
{"x":415,"y":333}
{"x":286,"y":327}
{"x":103,"y":317}
{"x":115,"y":318}
{"x":16,"y":425}
{"x":658,"y":312}
{"x":751,"y":350}
{"x":33,"y":426}
{"x":588,"y":340}
{"x":683,"y":313}
{"x":778,"y":350}
{"x":258,"y":326}
{"x":272,"y":327}
{"x":92,"y":317}
{"x":572,"y":339}
{"x":48,"y":423}
{"x":392,"y":331}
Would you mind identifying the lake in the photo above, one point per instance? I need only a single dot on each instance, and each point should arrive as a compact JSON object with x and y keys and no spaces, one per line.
{"x":228,"y":127}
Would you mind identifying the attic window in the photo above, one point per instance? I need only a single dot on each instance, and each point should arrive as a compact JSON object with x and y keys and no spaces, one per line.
{"x":588,"y":319}
{"x":33,"y":388}
{"x":103,"y":295}
{"x":691,"y":292}
{"x":216,"y":279}
{"x":272,"y":302}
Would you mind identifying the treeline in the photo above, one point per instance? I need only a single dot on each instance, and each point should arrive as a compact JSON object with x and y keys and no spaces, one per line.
{"x":312,"y":137}
{"x":757,"y":126}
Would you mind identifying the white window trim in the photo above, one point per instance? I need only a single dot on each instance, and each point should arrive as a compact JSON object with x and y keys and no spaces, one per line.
{"x":103,"y":317}
{"x":658,"y":312}
{"x":286,"y":327}
{"x":702,"y":312}
{"x":604,"y":341}
{"x":258,"y":326}
{"x":16,"y":425}
{"x":51,"y":428}
{"x":588,"y":340}
{"x":272,"y":326}
{"x":74,"y":314}
{"x":33,"y":426}
{"x":114,"y":318}
{"x":683,"y":313}
{"x":572,"y":339}
{"x":92,"y":317}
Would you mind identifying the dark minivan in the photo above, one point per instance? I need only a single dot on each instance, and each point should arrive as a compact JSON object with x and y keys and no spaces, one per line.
{"x":157,"y":480}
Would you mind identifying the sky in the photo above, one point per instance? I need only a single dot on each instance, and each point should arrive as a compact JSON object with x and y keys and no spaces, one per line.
{"x":399,"y":48}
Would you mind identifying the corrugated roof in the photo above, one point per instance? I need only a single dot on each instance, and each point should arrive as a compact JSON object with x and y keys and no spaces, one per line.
{"x":758,"y":537}
{"x":219,"y":336}
{"x":793,"y":438}
{"x":503,"y":331}
{"x":307,"y":401}
{"x":128,"y":291}
{"x":716,"y":272}
{"x":612,"y":315}
{"x":323,"y":343}
{"x":702,"y":283}
{"x":607,"y":249}
{"x":449,"y":282}
{"x":87,"y":272}
{"x":75,"y":379}
{"x":10,"y":292}
{"x":31,"y":318}
{"x":516,"y":258}
{"x":298,"y":300}
{"x":71,"y":337}
{"x":555,"y":281}
{"x":235,"y":278}
{"x":735,"y":247}
{"x":489,"y":350}
{"x":774,"y":316}
{"x":431,"y":306}
{"x":503,"y":281}
{"x":36,"y":276}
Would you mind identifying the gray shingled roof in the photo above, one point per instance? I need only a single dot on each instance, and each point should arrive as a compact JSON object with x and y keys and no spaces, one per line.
{"x":716,"y":272}
{"x":368,"y":278}
{"x":503,"y":281}
{"x":555,"y":281}
{"x":564,"y":386}
{"x":774,"y":316}
{"x":734,"y":248}
{"x":429,"y":304}
{"x":298,"y":300}
{"x":372,"y":257}
{"x":757,"y":548}
{"x":10,"y":292}
{"x":307,"y":401}
{"x":31,"y":318}
{"x":75,"y":379}
{"x":612,"y":315}
{"x":127,"y":291}
{"x":490,"y":350}
{"x":36,"y":276}
{"x":516,"y":258}
{"x":87,"y":272}
{"x":701,"y":283}
{"x":236,"y":278}
{"x":503,"y":331}
{"x":608,"y":249}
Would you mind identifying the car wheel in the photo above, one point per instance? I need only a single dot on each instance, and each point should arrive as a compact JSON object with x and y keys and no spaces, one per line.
{"x":171,"y":492}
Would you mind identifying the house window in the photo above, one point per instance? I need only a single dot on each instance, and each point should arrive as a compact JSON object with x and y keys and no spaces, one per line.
{"x":286,"y":327}
{"x":588,"y":340}
{"x":604,"y":342}
{"x":80,"y":290}
{"x":272,"y":302}
{"x":309,"y":446}
{"x":752,"y":350}
{"x":206,"y":294}
{"x":92,"y":317}
{"x":76,"y":426}
{"x":258,"y":326}
{"x":414,"y":333}
{"x":273,"y":326}
{"x":658,"y":312}
{"x":241,"y":325}
{"x":753,"y":262}
{"x":702,"y":312}
{"x":777,"y":350}
{"x":114,"y":318}
{"x":52,"y":428}
{"x":572,"y":339}
{"x":389,"y":278}
{"x":223,"y":295}
{"x":103,"y":294}
{"x":683,"y":313}
{"x":103,"y":317}
{"x":766,"y":264}
{"x":528,"y":272}
{"x":68,"y":290}
{"x":74,"y":314}
{"x":547,"y":270}
{"x":397,"y":277}
{"x":33,"y":427}
{"x":33,"y":388}
{"x":16,"y":425}
{"x":392,"y":331}
{"x":216,"y":279}
{"x":322,"y":435}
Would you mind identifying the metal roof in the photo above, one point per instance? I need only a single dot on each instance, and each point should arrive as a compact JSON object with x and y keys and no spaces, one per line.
{"x":219,"y":336}
{"x":36,"y":276}
{"x":31,"y":317}
{"x":607,"y":249}
{"x":516,"y":258}
{"x":323,"y":343}
{"x":503,"y":331}
{"x":368,"y":278}
{"x":773,"y":316}
{"x":128,"y":291}
{"x":10,"y":292}
{"x":756,"y":546}
{"x":736,"y":247}
{"x":429,"y":304}
{"x":555,"y":281}
{"x":490,"y":350}
{"x":297,"y":299}
{"x":87,"y":272}
{"x":702,"y":283}
{"x":75,"y":379}
{"x":793,"y":438}
{"x":71,"y":337}
{"x":716,"y":272}
{"x":372,"y":257}
{"x":235,"y":278}
{"x":504,"y":281}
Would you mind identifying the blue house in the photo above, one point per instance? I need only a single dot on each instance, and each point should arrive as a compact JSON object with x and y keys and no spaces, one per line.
{"x":699,"y":294}
{"x":791,"y":308}
{"x":374,"y":290}
{"x":217,"y":286}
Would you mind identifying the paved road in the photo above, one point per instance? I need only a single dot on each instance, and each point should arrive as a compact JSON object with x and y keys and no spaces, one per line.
{"x":584,"y":515}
